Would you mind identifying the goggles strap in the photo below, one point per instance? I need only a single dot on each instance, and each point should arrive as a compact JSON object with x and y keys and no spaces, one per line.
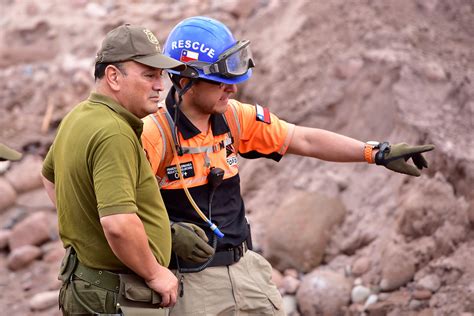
{"x":211,"y":69}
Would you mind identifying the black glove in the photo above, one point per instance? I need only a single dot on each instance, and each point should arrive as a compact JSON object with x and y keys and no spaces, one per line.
{"x":395,"y":157}
{"x":189,"y":242}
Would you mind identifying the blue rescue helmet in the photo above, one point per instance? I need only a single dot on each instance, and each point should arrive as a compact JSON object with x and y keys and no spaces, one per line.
{"x":209,"y":47}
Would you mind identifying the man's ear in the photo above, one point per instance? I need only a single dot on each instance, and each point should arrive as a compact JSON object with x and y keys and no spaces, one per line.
{"x":112,"y":76}
{"x":183,"y":82}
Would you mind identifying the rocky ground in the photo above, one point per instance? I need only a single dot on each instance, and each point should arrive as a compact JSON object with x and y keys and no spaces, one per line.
{"x":345,"y":239}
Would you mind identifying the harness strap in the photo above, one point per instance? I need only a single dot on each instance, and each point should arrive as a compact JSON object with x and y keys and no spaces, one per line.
{"x":171,"y":124}
{"x":163,"y":136}
{"x":232,"y":120}
{"x":160,"y":119}
{"x":165,"y":124}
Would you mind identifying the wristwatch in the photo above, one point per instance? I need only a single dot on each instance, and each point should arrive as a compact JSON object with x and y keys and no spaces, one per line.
{"x":369,"y":148}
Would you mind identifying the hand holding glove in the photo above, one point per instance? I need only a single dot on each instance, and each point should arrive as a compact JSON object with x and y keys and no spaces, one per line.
{"x":395,"y":157}
{"x":189,"y":242}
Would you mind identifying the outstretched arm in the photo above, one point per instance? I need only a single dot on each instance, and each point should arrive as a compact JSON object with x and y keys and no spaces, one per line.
{"x":325,"y":145}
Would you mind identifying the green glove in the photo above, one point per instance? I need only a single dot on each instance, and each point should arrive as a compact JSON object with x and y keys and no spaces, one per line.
{"x":189,"y":242}
{"x":395,"y":157}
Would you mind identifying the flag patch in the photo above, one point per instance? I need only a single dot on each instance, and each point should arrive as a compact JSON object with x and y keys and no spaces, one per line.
{"x":263,"y":114}
{"x":187,"y":56}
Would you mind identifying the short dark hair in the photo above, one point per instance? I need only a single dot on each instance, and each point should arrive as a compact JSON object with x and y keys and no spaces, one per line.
{"x":99,"y":70}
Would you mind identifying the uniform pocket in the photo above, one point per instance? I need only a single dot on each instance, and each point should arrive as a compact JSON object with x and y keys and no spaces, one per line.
{"x":95,"y":298}
{"x":135,"y":290}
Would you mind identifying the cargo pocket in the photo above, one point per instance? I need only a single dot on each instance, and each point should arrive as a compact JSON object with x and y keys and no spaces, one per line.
{"x":255,"y":292}
{"x":95,"y":298}
{"x":135,"y":297}
{"x":265,"y":282}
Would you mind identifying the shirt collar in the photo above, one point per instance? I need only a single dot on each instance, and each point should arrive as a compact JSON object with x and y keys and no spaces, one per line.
{"x":186,"y":127}
{"x":135,"y":123}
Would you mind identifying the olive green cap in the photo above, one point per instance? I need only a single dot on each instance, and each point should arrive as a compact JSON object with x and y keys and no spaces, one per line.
{"x":7,"y":153}
{"x":128,"y":42}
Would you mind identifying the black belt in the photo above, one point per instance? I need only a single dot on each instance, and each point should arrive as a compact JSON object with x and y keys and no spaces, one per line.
{"x":221,"y":258}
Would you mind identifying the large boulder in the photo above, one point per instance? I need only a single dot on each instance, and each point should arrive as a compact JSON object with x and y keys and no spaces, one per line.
{"x":33,"y":230}
{"x":323,"y":293}
{"x":299,"y":230}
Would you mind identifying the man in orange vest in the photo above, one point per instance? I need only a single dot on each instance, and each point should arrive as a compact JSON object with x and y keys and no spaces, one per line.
{"x":192,"y":144}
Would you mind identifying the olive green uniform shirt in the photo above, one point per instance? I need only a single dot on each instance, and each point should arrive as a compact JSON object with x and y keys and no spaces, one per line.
{"x":99,"y":168}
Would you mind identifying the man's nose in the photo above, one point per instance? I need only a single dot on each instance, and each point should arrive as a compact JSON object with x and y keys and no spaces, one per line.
{"x":231,"y":88}
{"x":158,"y":84}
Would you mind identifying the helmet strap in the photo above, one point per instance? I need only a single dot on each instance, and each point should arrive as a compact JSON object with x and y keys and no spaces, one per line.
{"x":180,"y":91}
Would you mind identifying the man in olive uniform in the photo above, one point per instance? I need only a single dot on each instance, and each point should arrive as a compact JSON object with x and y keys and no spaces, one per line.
{"x":111,"y":220}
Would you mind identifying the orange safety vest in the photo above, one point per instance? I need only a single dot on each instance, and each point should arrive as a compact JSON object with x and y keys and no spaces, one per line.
{"x":164,"y":124}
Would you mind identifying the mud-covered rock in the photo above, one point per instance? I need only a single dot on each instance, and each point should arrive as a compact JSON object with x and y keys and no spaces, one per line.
{"x":398,"y":268}
{"x":33,"y":230}
{"x":360,"y":266}
{"x":299,"y":241}
{"x":22,"y":257}
{"x":26,"y":175}
{"x":323,"y":293}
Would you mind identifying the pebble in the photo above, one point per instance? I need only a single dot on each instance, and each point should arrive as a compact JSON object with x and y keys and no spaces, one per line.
{"x":290,"y":284}
{"x":373,"y":298}
{"x":422,"y":295}
{"x":430,"y":282}
{"x":289,"y":303}
{"x":359,"y":294}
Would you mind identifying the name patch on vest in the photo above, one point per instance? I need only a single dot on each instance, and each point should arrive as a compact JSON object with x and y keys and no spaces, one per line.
{"x":187,"y":169}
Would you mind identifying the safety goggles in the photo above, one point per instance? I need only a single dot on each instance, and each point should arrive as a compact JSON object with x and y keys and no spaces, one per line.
{"x":234,"y":62}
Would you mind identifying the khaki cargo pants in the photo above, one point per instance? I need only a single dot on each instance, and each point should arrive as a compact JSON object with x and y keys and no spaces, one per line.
{"x":244,"y":288}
